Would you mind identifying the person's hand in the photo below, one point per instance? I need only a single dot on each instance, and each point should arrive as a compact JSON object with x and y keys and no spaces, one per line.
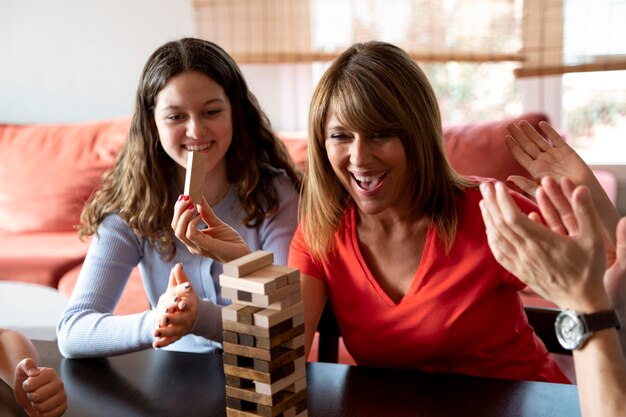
{"x":39,"y":391}
{"x":554,"y":202}
{"x":615,"y":276}
{"x":219,"y":241}
{"x":546,"y":153}
{"x":176,"y":310}
{"x":543,"y":154}
{"x":566,"y":269}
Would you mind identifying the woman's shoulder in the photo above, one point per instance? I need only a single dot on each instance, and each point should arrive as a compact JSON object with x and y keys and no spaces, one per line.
{"x":114,"y":225}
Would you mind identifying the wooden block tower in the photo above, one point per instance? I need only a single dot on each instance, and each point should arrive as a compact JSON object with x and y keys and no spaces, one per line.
{"x":264,"y":358}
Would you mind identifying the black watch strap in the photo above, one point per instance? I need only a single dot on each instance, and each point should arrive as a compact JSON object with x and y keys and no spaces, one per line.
{"x":600,"y":320}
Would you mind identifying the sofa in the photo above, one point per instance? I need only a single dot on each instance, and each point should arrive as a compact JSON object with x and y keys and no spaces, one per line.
{"x":47,"y":173}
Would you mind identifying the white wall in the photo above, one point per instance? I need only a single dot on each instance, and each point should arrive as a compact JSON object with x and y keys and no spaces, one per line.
{"x":80,"y":60}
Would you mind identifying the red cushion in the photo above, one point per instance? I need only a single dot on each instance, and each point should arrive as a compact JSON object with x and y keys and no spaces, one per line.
{"x":296,"y":145}
{"x":479,"y":149}
{"x":51,"y":170}
{"x":40,"y":258}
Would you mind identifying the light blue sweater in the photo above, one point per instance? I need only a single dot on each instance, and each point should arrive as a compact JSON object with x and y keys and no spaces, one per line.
{"x":88,"y":328}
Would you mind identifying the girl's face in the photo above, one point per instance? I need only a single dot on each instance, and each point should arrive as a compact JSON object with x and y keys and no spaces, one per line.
{"x":193,"y":113}
{"x":372,"y":168}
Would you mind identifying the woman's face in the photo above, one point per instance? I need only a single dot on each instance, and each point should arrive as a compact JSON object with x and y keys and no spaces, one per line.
{"x":193,"y":113}
{"x":373,"y":169}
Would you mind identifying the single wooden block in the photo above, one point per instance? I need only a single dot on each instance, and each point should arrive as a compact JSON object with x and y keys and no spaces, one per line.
{"x":247,"y":340}
{"x":246,"y":314}
{"x":270,"y":300}
{"x":298,"y":385}
{"x":240,"y":405}
{"x":292,"y":273}
{"x":269,"y":317}
{"x":270,"y":389}
{"x":298,"y":320}
{"x":230,"y":312}
{"x":248,"y":263}
{"x":294,"y":343}
{"x":233,"y":412}
{"x":237,"y":382}
{"x":231,"y":337}
{"x":194,"y":176}
{"x":263,"y":281}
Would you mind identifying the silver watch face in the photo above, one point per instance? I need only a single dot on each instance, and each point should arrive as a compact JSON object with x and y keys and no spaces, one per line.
{"x":570,"y":330}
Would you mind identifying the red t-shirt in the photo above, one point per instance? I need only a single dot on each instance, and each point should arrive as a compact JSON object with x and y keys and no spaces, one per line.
{"x":461,"y":314}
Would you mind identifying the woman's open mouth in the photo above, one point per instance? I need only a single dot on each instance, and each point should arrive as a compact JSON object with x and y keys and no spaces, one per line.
{"x":368,"y":182}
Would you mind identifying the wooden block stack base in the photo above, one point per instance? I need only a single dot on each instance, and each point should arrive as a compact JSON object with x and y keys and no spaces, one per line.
{"x":264,"y":358}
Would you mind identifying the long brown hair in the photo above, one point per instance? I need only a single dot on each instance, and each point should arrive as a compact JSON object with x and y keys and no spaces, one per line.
{"x":376,"y":87}
{"x":137,"y":187}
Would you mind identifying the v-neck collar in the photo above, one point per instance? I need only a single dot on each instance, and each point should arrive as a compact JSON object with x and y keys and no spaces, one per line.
{"x":417,"y":277}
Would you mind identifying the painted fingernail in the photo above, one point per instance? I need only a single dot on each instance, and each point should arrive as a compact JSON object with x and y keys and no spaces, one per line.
{"x":187,"y":285}
{"x":191,"y":206}
{"x":185,"y":198}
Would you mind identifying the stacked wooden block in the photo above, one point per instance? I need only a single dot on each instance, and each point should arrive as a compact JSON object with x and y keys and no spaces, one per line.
{"x":264,"y":358}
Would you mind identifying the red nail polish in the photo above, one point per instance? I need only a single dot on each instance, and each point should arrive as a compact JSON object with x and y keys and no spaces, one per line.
{"x":191,"y":206}
{"x":185,"y":198}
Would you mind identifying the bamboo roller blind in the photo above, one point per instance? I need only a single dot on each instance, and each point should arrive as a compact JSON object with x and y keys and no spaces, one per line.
{"x":531,"y":32}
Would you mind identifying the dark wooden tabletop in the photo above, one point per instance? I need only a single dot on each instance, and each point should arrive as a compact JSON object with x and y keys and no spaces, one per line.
{"x":161,"y":383}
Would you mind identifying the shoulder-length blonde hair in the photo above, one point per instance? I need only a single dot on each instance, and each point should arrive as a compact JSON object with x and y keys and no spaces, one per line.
{"x":137,"y":187}
{"x":376,"y":87}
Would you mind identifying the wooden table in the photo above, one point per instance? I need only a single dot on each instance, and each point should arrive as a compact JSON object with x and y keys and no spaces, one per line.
{"x":154,"y":383}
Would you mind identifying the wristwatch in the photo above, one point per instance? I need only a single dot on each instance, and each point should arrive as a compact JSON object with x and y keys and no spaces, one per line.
{"x":573,"y":328}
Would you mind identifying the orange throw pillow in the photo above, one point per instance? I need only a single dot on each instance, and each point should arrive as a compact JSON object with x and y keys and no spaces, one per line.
{"x":47,"y":172}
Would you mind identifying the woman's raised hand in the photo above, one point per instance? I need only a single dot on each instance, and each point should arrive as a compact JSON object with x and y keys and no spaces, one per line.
{"x":546,"y":153}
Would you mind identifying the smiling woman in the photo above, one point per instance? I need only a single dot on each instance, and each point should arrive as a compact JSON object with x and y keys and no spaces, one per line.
{"x":191,"y":97}
{"x":394,"y":237}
